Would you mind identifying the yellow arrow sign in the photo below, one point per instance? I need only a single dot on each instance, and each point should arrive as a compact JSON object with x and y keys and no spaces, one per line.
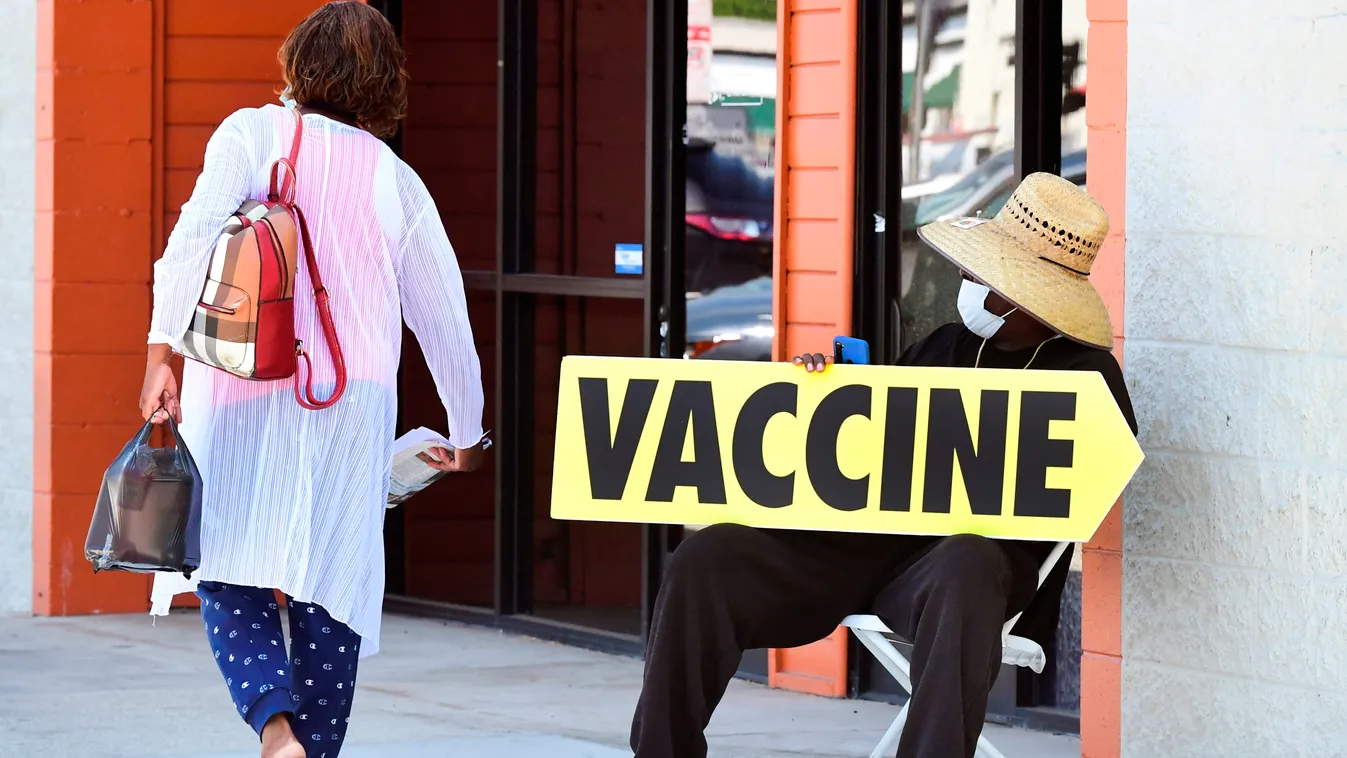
{"x":1038,"y":455}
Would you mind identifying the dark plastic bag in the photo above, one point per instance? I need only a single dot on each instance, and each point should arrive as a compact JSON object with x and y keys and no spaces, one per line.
{"x":148,"y":516}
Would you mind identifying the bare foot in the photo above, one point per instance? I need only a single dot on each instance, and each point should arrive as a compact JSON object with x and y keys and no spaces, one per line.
{"x":278,"y":740}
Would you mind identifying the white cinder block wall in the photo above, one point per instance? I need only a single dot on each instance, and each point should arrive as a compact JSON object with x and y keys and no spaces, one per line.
{"x":18,"y":79}
{"x":1235,"y":542}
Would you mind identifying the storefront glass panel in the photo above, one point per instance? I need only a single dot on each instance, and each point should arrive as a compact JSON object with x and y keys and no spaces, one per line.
{"x":958,"y":139}
{"x":729,"y":174}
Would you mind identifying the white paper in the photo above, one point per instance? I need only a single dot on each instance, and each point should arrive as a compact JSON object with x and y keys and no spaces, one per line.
{"x":411,"y":470}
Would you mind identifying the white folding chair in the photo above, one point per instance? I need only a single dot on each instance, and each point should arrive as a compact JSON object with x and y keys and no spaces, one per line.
{"x":1016,"y":651}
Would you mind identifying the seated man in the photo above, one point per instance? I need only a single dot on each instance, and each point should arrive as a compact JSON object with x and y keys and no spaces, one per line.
{"x":1025,"y":302}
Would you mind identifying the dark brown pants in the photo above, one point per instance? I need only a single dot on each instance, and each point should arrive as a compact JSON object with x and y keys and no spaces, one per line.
{"x":731,"y":588}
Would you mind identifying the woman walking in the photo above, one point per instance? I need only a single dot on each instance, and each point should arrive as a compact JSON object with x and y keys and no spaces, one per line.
{"x":294,"y":498}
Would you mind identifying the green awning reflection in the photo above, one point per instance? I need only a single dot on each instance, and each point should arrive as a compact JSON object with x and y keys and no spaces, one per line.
{"x":942,"y":94}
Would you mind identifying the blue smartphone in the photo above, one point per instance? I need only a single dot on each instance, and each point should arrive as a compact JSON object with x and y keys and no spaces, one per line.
{"x":851,"y":350}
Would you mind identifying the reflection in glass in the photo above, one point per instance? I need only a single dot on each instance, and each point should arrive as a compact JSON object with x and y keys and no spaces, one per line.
{"x":731,"y":137}
{"x":958,"y":139}
{"x":1075,"y":33}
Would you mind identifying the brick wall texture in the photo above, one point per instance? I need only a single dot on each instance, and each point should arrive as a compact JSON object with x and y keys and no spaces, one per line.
{"x":1235,"y":530}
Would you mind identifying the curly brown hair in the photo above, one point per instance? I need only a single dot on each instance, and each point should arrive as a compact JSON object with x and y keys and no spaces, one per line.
{"x":345,"y":58}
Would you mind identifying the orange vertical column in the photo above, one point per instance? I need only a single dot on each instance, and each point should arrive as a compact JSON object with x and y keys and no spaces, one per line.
{"x":813,"y":259}
{"x":91,"y":277}
{"x":1101,"y":632}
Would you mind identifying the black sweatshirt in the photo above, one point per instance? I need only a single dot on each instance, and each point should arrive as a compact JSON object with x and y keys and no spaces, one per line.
{"x":953,"y":346}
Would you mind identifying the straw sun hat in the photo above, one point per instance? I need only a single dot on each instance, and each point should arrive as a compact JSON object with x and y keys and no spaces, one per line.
{"x":1037,"y":254}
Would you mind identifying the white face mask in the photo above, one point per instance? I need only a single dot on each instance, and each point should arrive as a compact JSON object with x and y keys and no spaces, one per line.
{"x":973,"y":310}
{"x":286,"y":100}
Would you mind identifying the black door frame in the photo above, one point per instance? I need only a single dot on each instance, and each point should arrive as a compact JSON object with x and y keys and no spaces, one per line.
{"x":1038,"y":101}
{"x":517,"y":287}
{"x":665,"y":235}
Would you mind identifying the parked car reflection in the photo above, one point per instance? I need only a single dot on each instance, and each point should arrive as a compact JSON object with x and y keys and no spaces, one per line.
{"x":728,"y":222}
{"x":732,"y":323}
{"x":927,"y":205}
{"x":728,"y":257}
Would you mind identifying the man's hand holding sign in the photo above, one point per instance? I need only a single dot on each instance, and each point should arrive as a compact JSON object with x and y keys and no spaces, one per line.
{"x":926,"y":494}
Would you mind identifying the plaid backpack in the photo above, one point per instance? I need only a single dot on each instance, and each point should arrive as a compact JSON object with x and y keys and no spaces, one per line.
{"x":245,"y":320}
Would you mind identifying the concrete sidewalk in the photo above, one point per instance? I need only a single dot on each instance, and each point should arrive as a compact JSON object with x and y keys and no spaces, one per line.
{"x":117,"y":687}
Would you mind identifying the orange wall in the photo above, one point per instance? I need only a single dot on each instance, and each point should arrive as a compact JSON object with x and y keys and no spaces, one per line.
{"x":815,"y":185}
{"x":1101,"y":622}
{"x":813,"y":260}
{"x":91,"y":281}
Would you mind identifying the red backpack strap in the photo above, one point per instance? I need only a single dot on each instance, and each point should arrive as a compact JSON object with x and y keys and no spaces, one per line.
{"x":286,"y":197}
{"x":287,"y":189}
{"x":306,"y":397}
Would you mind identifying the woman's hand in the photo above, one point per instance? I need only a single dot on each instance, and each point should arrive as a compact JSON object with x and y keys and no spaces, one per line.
{"x":160,"y":388}
{"x":458,"y":460}
{"x":813,"y":362}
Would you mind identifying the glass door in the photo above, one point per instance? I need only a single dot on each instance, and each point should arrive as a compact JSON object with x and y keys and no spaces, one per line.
{"x":587,"y":263}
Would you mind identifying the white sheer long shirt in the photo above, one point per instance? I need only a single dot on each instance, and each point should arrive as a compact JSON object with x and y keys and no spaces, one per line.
{"x":295,"y":499}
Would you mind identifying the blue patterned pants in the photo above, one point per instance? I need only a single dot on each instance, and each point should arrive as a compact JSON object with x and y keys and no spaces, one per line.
{"x":314,"y":685}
